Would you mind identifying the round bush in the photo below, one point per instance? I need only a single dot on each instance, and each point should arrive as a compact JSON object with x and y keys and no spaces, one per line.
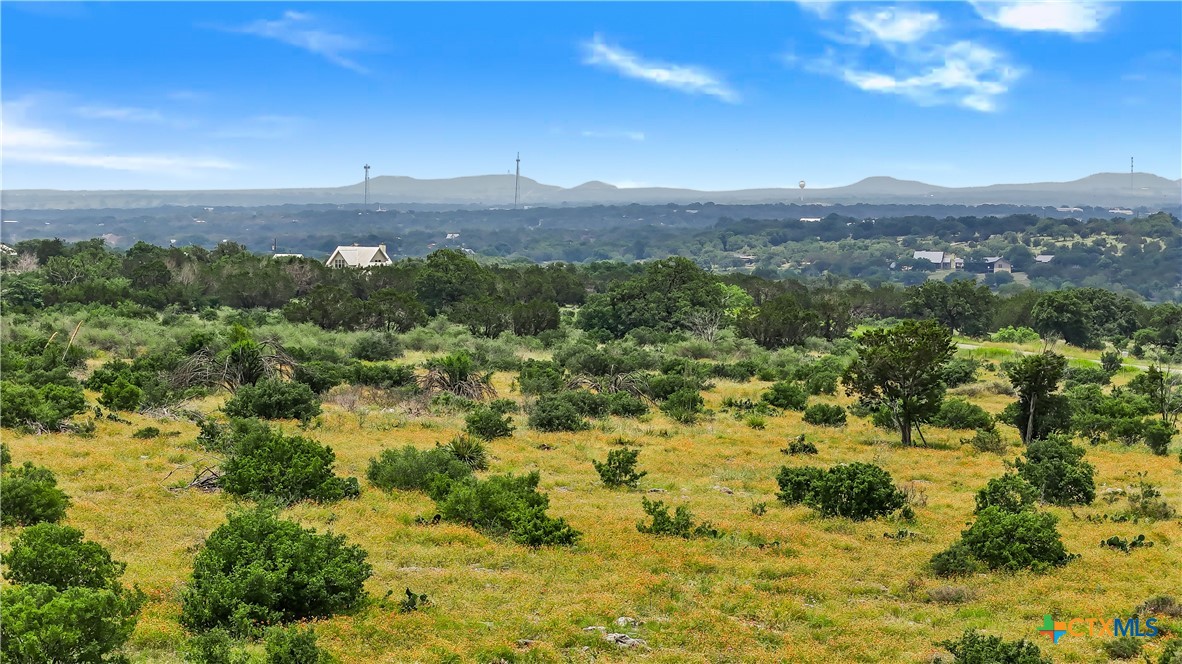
{"x":31,"y":496}
{"x":1009,"y":493}
{"x":257,"y":569}
{"x":121,"y":395}
{"x":796,"y":484}
{"x":376,"y":347}
{"x":488,"y":424}
{"x":684,"y":406}
{"x":1012,"y":541}
{"x":58,"y":556}
{"x":410,"y":469}
{"x":266,"y":464}
{"x":957,"y":413}
{"x":274,"y":400}
{"x":825,"y":415}
{"x":555,"y":413}
{"x":1058,"y":472}
{"x":856,"y":491}
{"x":43,"y":624}
{"x":786,"y":395}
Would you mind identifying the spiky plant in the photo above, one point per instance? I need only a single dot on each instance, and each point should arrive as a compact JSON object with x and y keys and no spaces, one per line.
{"x":470,"y":451}
{"x":457,"y":373}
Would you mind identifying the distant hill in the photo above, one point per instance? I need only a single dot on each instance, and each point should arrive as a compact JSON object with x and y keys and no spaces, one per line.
{"x":1101,"y":189}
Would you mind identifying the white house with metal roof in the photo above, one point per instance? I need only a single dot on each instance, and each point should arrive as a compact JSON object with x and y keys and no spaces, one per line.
{"x":356,"y":256}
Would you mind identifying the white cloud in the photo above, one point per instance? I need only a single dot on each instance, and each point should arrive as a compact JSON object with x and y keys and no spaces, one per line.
{"x":302,"y":30}
{"x":963,"y":73}
{"x":821,"y":8}
{"x":686,"y":78}
{"x":262,"y":127}
{"x":1078,"y":17}
{"x":637,"y":136}
{"x":895,"y":25}
{"x":120,"y":113}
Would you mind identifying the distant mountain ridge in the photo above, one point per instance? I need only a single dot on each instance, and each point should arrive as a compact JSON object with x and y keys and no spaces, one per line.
{"x":1100,"y":189}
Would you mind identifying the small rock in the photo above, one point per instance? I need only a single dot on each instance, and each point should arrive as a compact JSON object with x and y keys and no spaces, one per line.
{"x":657,"y":491}
{"x":595,"y":628}
{"x":525,"y":643}
{"x":725,"y":490}
{"x":625,"y":621}
{"x":624,"y":640}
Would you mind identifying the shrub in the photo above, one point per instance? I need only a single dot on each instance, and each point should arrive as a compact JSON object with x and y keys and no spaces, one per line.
{"x":1172,"y":652}
{"x":294,"y":645}
{"x":856,"y":491}
{"x":1111,"y":361}
{"x":1009,"y":493}
{"x":273,"y":399}
{"x":410,"y":469}
{"x":554,"y":413}
{"x":1158,"y":435}
{"x":31,"y":496}
{"x":1011,"y":541}
{"x":681,"y":524}
{"x":1146,"y":502}
{"x":540,"y":377}
{"x":960,"y":371}
{"x":43,"y":624}
{"x":961,"y":414}
{"x":5,"y":455}
{"x":986,"y":440}
{"x":620,"y":469}
{"x":503,"y":505}
{"x":975,"y":648}
{"x":1086,"y":375}
{"x":822,"y":382}
{"x":796,"y":484}
{"x":1014,"y":335}
{"x":799,"y":446}
{"x":257,"y":570}
{"x":758,"y":422}
{"x":1058,"y":472}
{"x":786,"y":395}
{"x":121,"y":395}
{"x":58,"y":556}
{"x":587,"y":404}
{"x":662,"y":387}
{"x":956,"y":560}
{"x":1125,"y":647}
{"x":469,"y":451}
{"x":147,"y":432}
{"x":383,"y":376}
{"x":683,"y":406}
{"x":47,"y":406}
{"x":322,"y":376}
{"x":488,"y":424}
{"x":622,"y":404}
{"x":825,"y":415}
{"x":214,"y":647}
{"x":376,"y":347}
{"x":266,"y":464}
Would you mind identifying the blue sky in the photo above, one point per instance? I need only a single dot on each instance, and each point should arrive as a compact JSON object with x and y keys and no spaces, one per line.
{"x":702,"y":95}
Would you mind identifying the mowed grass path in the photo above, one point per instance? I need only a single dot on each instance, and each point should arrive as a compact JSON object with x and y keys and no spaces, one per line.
{"x":786,"y":586}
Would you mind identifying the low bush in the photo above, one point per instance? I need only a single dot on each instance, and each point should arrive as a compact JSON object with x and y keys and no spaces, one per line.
{"x":680,"y":524}
{"x":956,"y":560}
{"x":800,"y":446}
{"x":786,"y":395}
{"x":272,"y":399}
{"x":796,"y":484}
{"x":825,"y":415}
{"x":856,"y":491}
{"x":215,"y":646}
{"x":539,"y":377}
{"x":975,"y":648}
{"x":488,"y":424}
{"x":376,"y":347}
{"x":44,"y":624}
{"x":663,"y":386}
{"x":552,"y":412}
{"x":620,"y":468}
{"x":31,"y":496}
{"x":294,"y":645}
{"x":1111,"y":361}
{"x":121,"y":395}
{"x":267,"y":465}
{"x":257,"y":570}
{"x":382,"y":376}
{"x":684,"y":406}
{"x":146,"y":432}
{"x":822,"y":382}
{"x":1009,"y":493}
{"x":622,"y":404}
{"x":960,"y":371}
{"x":961,"y":414}
{"x":1014,"y":335}
{"x":1086,"y":375}
{"x":47,"y":406}
{"x":1158,"y":435}
{"x":1058,"y":472}
{"x":1125,"y":647}
{"x":986,"y":440}
{"x":58,"y":556}
{"x":503,"y":505}
{"x":1012,"y":541}
{"x":411,"y":469}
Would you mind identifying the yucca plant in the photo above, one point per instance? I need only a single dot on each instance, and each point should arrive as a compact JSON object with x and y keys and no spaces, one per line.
{"x":470,"y":451}
{"x":457,"y":373}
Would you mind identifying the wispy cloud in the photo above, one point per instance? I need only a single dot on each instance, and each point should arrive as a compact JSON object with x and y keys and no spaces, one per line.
{"x":637,"y":136}
{"x":1078,"y":17}
{"x":27,"y":142}
{"x":895,"y":25}
{"x":303,"y":30}
{"x":120,"y":113}
{"x":821,"y":8}
{"x":686,"y":78}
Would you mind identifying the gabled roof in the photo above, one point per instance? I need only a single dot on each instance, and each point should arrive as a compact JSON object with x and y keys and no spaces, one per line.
{"x":994,"y":259}
{"x":1044,"y":258}
{"x":360,"y":256}
{"x":936,"y":257}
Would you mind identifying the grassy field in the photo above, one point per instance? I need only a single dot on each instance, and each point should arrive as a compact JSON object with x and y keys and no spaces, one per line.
{"x":786,"y":586}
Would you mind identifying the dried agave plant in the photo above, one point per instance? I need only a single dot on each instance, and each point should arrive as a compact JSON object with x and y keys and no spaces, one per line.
{"x":244,"y":363}
{"x":632,"y":383}
{"x":457,"y":374}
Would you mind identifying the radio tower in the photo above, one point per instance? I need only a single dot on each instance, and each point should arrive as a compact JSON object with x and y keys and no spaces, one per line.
{"x":367,"y":185}
{"x":517,"y":181}
{"x":1131,"y":174}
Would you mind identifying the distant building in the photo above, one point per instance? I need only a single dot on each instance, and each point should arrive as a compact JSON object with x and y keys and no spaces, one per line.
{"x":810,"y":219}
{"x":941,"y":259}
{"x":356,"y":256}
{"x":1044,"y":258}
{"x":287,"y":255}
{"x":7,"y":250}
{"x":1068,"y":209}
{"x":998,"y":264}
{"x":452,"y":236}
{"x":1121,"y":211}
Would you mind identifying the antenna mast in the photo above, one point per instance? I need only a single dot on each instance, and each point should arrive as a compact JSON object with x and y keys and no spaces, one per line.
{"x":1131,"y":173}
{"x":367,"y":185}
{"x":517,"y":181}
